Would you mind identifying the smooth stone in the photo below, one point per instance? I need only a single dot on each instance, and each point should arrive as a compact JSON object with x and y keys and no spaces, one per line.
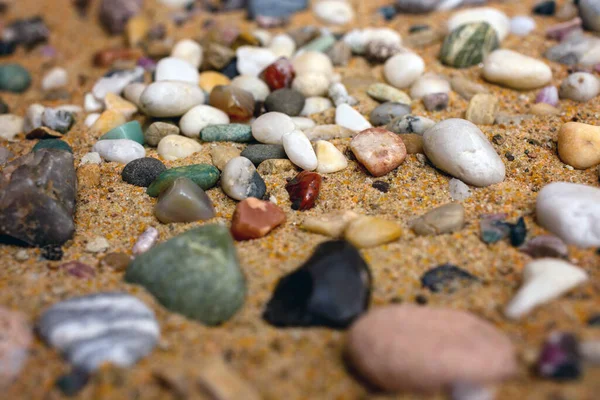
{"x":252,"y":84}
{"x":145,"y":241}
{"x":326,"y":42}
{"x":333,"y":224}
{"x":416,"y":6}
{"x":279,"y":75}
{"x":189,"y":51}
{"x":157,"y":131}
{"x":199,"y":117}
{"x":515,"y":70}
{"x":227,"y":133}
{"x":579,"y":145}
{"x":253,"y":60}
{"x":14,"y":345}
{"x":446,"y":278}
{"x":107,"y":121}
{"x":120,"y":150}
{"x":571,"y":212}
{"x":133,"y":92}
{"x":143,"y":171}
{"x":14,"y":78}
{"x":466,"y":88}
{"x":58,"y":120}
{"x":282,"y":45}
{"x":459,"y":191}
{"x":339,"y":94}
{"x":482,"y":109}
{"x":91,"y":119}
{"x":303,"y":123}
{"x":575,"y":48}
{"x":397,"y":349}
{"x":548,"y":95}
{"x":311,"y":84}
{"x":275,"y":167}
{"x":385,"y":93}
{"x":221,"y":155}
{"x":460,"y":149}
{"x":56,"y":144}
{"x":331,"y":289}
{"x":98,"y":244}
{"x":468,"y":45}
{"x":257,"y":153}
{"x":544,"y":280}
{"x":116,"y":82}
{"x":315,"y":105}
{"x":204,"y":175}
{"x":379,"y":150}
{"x":359,"y":39}
{"x":270,"y":127}
{"x":117,"y":103}
{"x":131,"y":130}
{"x":580,"y":86}
{"x":211,"y":79}
{"x":409,"y":124}
{"x":496,"y":18}
{"x":334,"y":12}
{"x":429,"y":84}
{"x":286,"y":101}
{"x":413,"y":143}
{"x":175,"y":69}
{"x":328,"y":132}
{"x":511,"y":120}
{"x":444,"y":219}
{"x":175,"y":147}
{"x":254,"y":219}
{"x":386,"y":112}
{"x":10,"y":126}
{"x":114,"y":14}
{"x":240,"y":180}
{"x":312,"y":62}
{"x":589,"y":11}
{"x":436,"y":101}
{"x":54,"y":79}
{"x":170,"y":99}
{"x":522,"y":25}
{"x":299,"y":150}
{"x":330,"y":159}
{"x":304,"y":190}
{"x":347,"y":117}
{"x":183,"y":201}
{"x":545,"y":246}
{"x":403,"y":69}
{"x":196,"y":274}
{"x":364,"y":232}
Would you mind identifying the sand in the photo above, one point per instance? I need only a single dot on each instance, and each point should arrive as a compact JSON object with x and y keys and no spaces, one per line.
{"x":304,"y":363}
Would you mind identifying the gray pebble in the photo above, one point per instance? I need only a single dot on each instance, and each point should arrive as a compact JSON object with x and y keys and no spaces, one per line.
{"x":410,"y":124}
{"x":386,"y":112}
{"x":159,"y":130}
{"x":58,"y":120}
{"x":240,"y":180}
{"x":257,"y":153}
{"x":287,"y":101}
{"x":436,"y":101}
{"x":5,"y":155}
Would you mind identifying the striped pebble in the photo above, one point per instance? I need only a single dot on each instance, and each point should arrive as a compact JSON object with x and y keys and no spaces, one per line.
{"x":104,"y":327}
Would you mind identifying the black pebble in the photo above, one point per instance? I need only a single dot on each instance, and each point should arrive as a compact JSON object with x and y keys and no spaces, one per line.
{"x":52,"y":252}
{"x":518,"y":233}
{"x":143,"y":171}
{"x":29,"y":31}
{"x":331,"y":289}
{"x":230,"y":70}
{"x":381,"y":186}
{"x":545,"y":8}
{"x":287,"y":101}
{"x":421,"y":300}
{"x":509,"y":157}
{"x":594,"y":320}
{"x":446,"y":277}
{"x":72,"y":383}
{"x":258,"y":188}
{"x":258,"y":153}
{"x":7,"y":47}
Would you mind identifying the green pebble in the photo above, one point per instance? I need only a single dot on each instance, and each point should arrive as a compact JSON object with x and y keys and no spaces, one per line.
{"x":468,"y":45}
{"x":14,"y":78}
{"x":131,"y":130}
{"x":227,"y":133}
{"x":204,"y":175}
{"x":196,"y":274}
{"x":52,"y":144}
{"x":321,"y":44}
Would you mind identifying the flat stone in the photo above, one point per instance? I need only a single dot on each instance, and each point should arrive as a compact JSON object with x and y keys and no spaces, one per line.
{"x":120,"y":150}
{"x":131,"y":130}
{"x":257,"y":153}
{"x":204,"y":175}
{"x":466,"y":88}
{"x":159,"y":130}
{"x":366,"y":232}
{"x":183,"y":201}
{"x":482,"y":109}
{"x":175,"y":147}
{"x":143,"y":171}
{"x":254,"y":219}
{"x":170,"y":99}
{"x":286,"y":101}
{"x":446,"y":278}
{"x":515,"y":70}
{"x":196,"y":274}
{"x":328,"y":132}
{"x":386,"y":112}
{"x":240,"y":180}
{"x":240,"y":133}
{"x":379,"y":150}
{"x":386,"y":93}
{"x":333,"y":224}
{"x":444,"y":219}
{"x":329,"y":158}
{"x":14,"y":345}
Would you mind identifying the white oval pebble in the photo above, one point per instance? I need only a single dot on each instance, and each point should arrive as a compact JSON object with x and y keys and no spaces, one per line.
{"x":253,"y":60}
{"x":117,"y":82}
{"x":303,"y":123}
{"x":133,"y":92}
{"x":299,"y":150}
{"x":515,"y":70}
{"x":199,"y":118}
{"x":459,"y":148}
{"x":403,"y":69}
{"x":119,"y":150}
{"x":429,"y":84}
{"x":90,"y":158}
{"x":56,"y":78}
{"x":311,"y":84}
{"x":91,"y":119}
{"x":10,"y":126}
{"x":336,"y":12}
{"x":91,"y":104}
{"x":176,"y":69}
{"x":170,"y":99}
{"x":349,"y":118}
{"x":312,"y":61}
{"x":174,"y":147}
{"x":188,"y":50}
{"x":580,"y":86}
{"x":270,"y":127}
{"x":314,"y":105}
{"x":522,"y":25}
{"x":256,"y":86}
{"x":358,"y":39}
{"x":330,"y":159}
{"x":496,"y":18}
{"x":283,"y":45}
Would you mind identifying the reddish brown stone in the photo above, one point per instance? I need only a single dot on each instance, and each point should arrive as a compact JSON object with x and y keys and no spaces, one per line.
{"x":379,"y":150}
{"x":235,"y":102}
{"x":116,"y":261}
{"x":279,"y":75}
{"x":254,"y":218}
{"x":79,"y":269}
{"x":105,"y":58}
{"x":304,"y":190}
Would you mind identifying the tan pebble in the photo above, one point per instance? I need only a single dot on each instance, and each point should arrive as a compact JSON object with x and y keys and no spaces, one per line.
{"x":579,"y":145}
{"x":467,"y":88}
{"x":330,"y":159}
{"x":117,"y":103}
{"x":222,"y":154}
{"x":383,"y":92}
{"x":444,"y":219}
{"x":136,"y":30}
{"x":482,"y":109}
{"x":333,"y":224}
{"x":210,"y":79}
{"x":175,"y":147}
{"x":379,"y":150}
{"x":328,"y":132}
{"x":222,"y":383}
{"x":272,"y":167}
{"x":88,"y":176}
{"x":107,"y":121}
{"x":372,"y":231}
{"x":544,"y":109}
{"x":413,"y":143}
{"x":117,"y":262}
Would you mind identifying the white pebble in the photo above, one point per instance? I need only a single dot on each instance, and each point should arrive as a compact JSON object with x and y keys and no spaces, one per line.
{"x":544,"y":280}
{"x":314,"y":105}
{"x":119,"y":150}
{"x":515,"y":70}
{"x":90,"y":158}
{"x":303,"y":123}
{"x":175,"y":147}
{"x":429,"y":84}
{"x":311,"y":84}
{"x":334,"y":12}
{"x":271,"y":127}
{"x":116,"y":82}
{"x":253,"y":60}
{"x":330,"y":159}
{"x":56,"y":78}
{"x":312,"y":62}
{"x":97,"y":245}
{"x":522,"y":25}
{"x":496,"y":18}
{"x":188,"y":50}
{"x":176,"y":69}
{"x":91,"y":119}
{"x":263,"y":36}
{"x":349,"y":118}
{"x":580,"y":86}
{"x":91,"y":104}
{"x":170,"y":99}
{"x":459,"y":191}
{"x":145,"y":241}
{"x":259,"y":89}
{"x":299,"y":150}
{"x":199,"y":118}
{"x":10,"y":126}
{"x":283,"y":46}
{"x":33,"y":117}
{"x":133,"y":92}
{"x":403,"y":69}
{"x":358,"y":39}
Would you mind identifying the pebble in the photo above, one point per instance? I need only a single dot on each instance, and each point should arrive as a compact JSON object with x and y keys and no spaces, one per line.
{"x":315,"y":105}
{"x":133,"y":92}
{"x":14,"y":78}
{"x":282,"y":45}
{"x":515,"y":70}
{"x":216,"y":377}
{"x":468,"y":45}
{"x":458,"y":190}
{"x":252,"y":84}
{"x":560,"y":358}
{"x":271,"y":127}
{"x":114,"y":14}
{"x":145,"y":241}
{"x":333,"y":224}
{"x":311,"y":84}
{"x":359,"y":39}
{"x":121,"y":150}
{"x":189,"y":51}
{"x":312,"y":62}
{"x":78,"y":269}
{"x":5,"y":155}
{"x":496,"y":18}
{"x":131,"y":130}
{"x":97,"y":245}
{"x":275,"y":166}
{"x":170,"y":99}
{"x":347,"y":117}
{"x":328,"y":132}
{"x":157,"y":131}
{"x":379,"y":52}
{"x":570,"y":211}
{"x":176,"y":69}
{"x":279,"y":75}
{"x":466,"y":88}
{"x":199,"y":117}
{"x":364,"y":232}
{"x":104,"y":327}
{"x":58,"y":120}
{"x":183,"y":201}
{"x":446,"y":278}
{"x":227,"y":133}
{"x":548,"y":95}
{"x":253,"y":60}
{"x":14,"y":345}
{"x":257,"y":153}
{"x":117,"y":103}
{"x":116,"y":81}
{"x":397,"y":348}
{"x":545,"y":8}
{"x":334,"y":12}
{"x":54,"y":79}
{"x":196,"y":274}
{"x":330,"y":159}
{"x":303,"y":123}
{"x":544,"y":280}
{"x":436,"y":101}
{"x":175,"y":147}
{"x":386,"y":93}
{"x":589,"y":11}
{"x":494,"y":228}
{"x":33,"y":117}
{"x":416,"y":6}
{"x":275,"y":8}
{"x":304,"y":190}
{"x":339,"y":94}
{"x":10,"y":126}
{"x":460,"y":149}
{"x":579,"y":145}
{"x":254,"y":219}
{"x":299,"y":150}
{"x":211,"y":79}
{"x":340,"y":54}
{"x":545,"y":246}
{"x":56,"y":144}
{"x":237,"y":103}
{"x":444,"y":219}
{"x":410,"y":124}
{"x":240,"y":180}
{"x":402,"y":70}
{"x":286,"y":101}
{"x":379,"y":150}
{"x":204,"y":175}
{"x":429,"y":84}
{"x":331,"y":289}
{"x":386,"y":112}
{"x":143,"y":171}
{"x":117,"y":262}
{"x":482,"y":109}
{"x":522,"y":25}
{"x":580,"y":86}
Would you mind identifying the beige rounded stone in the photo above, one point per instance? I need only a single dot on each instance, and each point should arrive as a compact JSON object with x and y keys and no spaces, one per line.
{"x":444,"y":219}
{"x":372,"y":231}
{"x":482,"y":109}
{"x":330,"y":159}
{"x":579,"y":145}
{"x":544,"y":109}
{"x":426,"y":349}
{"x":221,"y":154}
{"x":379,"y":150}
{"x":174,"y":147}
{"x":333,"y":224}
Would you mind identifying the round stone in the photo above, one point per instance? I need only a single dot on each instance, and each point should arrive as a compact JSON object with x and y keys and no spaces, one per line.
{"x":240,"y":180}
{"x":143,"y":171}
{"x":131,"y":130}
{"x":176,"y":69}
{"x":515,"y":70}
{"x":286,"y":101}
{"x":403,"y":69}
{"x":579,"y":145}
{"x":311,"y":84}
{"x":14,"y":78}
{"x":315,"y":105}
{"x":199,"y":117}
{"x":334,"y":12}
{"x":175,"y":147}
{"x":386,"y":112}
{"x":170,"y":99}
{"x":159,"y":130}
{"x":299,"y":150}
{"x":580,"y":86}
{"x":312,"y":62}
{"x":252,"y":84}
{"x":429,"y":84}
{"x":270,"y":127}
{"x":189,"y":51}
{"x":382,"y":92}
{"x":468,"y":45}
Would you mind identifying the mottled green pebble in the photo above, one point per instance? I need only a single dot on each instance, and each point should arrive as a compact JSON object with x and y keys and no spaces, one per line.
{"x":52,"y":144}
{"x":14,"y":78}
{"x":196,"y":274}
{"x":227,"y":133}
{"x":321,"y":44}
{"x":204,"y":175}
{"x":468,"y":45}
{"x":385,"y":93}
{"x":131,"y":130}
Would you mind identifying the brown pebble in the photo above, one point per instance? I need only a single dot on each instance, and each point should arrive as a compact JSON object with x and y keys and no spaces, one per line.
{"x":118,"y":262}
{"x":222,"y":154}
{"x":413,"y":143}
{"x":105,"y":58}
{"x":379,"y":150}
{"x":482,"y":109}
{"x":254,"y":218}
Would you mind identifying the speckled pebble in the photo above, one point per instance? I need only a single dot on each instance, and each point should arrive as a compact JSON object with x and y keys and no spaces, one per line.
{"x":143,"y":171}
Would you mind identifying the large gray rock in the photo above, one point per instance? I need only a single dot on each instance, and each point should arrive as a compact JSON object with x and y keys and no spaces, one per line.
{"x":589,"y":11}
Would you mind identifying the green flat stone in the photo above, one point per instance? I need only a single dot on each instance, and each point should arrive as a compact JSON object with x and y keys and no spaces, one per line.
{"x":321,"y":44}
{"x":204,"y":175}
{"x":14,"y":78}
{"x":52,"y":144}
{"x":468,"y":45}
{"x":227,"y":133}
{"x":196,"y":274}
{"x":131,"y":130}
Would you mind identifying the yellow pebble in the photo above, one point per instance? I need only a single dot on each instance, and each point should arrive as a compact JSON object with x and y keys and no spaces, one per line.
{"x":372,"y":231}
{"x":210,"y":79}
{"x":107,"y":121}
{"x":117,"y":103}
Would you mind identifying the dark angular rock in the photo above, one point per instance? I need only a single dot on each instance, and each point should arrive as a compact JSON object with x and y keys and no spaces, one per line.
{"x":275,"y":8}
{"x":493,"y":228}
{"x":331,"y":289}
{"x":143,"y":171}
{"x":114,"y":14}
{"x":287,"y":101}
{"x":258,"y":153}
{"x":230,"y":70}
{"x":28,"y":32}
{"x":52,"y":252}
{"x":560,"y":358}
{"x":37,"y":197}
{"x":545,"y":8}
{"x":447,"y":278}
{"x":518,"y":233}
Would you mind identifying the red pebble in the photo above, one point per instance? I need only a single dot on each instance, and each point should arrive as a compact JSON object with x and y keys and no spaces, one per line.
{"x":304,"y":190}
{"x":254,"y":218}
{"x":279,"y":75}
